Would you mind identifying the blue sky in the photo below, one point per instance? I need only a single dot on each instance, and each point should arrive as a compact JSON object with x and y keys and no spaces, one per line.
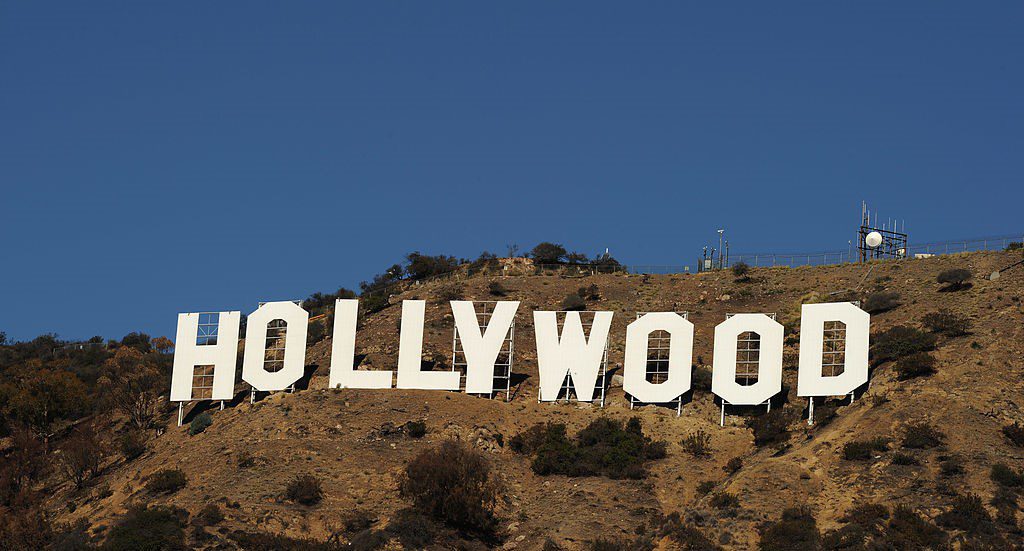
{"x":187,"y":156}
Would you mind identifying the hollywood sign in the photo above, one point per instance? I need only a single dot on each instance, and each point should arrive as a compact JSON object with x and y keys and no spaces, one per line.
{"x":567,"y":355}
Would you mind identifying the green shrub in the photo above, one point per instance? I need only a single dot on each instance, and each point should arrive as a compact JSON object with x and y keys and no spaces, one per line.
{"x":1004,"y":475}
{"x":133,"y":444}
{"x":900,"y":341}
{"x":907,"y":530}
{"x":1015,"y":434}
{"x":946,"y":323}
{"x":966,"y":513}
{"x":705,"y":487}
{"x":954,"y":279}
{"x":453,"y":483}
{"x":604,"y":448}
{"x":733,"y":465}
{"x":495,"y":288}
{"x":724,"y":500}
{"x":741,"y":270}
{"x":548,"y":253}
{"x":574,"y":302}
{"x":701,"y":378}
{"x":881,"y":301}
{"x":589,"y":293}
{"x":900,"y":458}
{"x":922,"y":436}
{"x":415,"y":429}
{"x":200,"y":423}
{"x":860,"y":450}
{"x":697,"y":444}
{"x":154,"y":528}
{"x":684,"y":536}
{"x":797,"y":530}
{"x":305,"y":490}
{"x":951,"y":466}
{"x":918,"y":364}
{"x":166,"y":481}
{"x":770,"y":428}
{"x":867,"y":514}
{"x":209,"y":515}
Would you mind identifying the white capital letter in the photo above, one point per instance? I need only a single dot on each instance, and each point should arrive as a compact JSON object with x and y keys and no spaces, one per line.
{"x":216,"y":346}
{"x":680,"y":356}
{"x":571,"y":353}
{"x":288,"y":355}
{"x":343,"y":351}
{"x":482,"y":351}
{"x":769,"y":365}
{"x":810,"y":381}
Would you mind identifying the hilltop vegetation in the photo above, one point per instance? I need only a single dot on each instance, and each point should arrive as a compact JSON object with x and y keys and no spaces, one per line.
{"x":927,"y":456}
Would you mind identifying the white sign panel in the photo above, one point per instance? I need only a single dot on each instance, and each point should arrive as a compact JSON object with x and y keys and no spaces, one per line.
{"x":810,"y":380}
{"x":680,"y":357}
{"x":191,"y":351}
{"x":769,"y":367}
{"x":410,"y":353}
{"x":482,"y":349}
{"x":570,"y":353}
{"x":343,"y":352}
{"x":253,"y":367}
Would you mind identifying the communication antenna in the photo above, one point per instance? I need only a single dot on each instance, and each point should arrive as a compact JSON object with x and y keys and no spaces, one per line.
{"x":874,"y":242}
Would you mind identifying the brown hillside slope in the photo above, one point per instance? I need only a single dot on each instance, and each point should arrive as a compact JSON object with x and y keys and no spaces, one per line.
{"x":337,"y":434}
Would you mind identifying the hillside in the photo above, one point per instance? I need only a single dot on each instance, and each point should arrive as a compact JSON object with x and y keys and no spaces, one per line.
{"x":347,"y":438}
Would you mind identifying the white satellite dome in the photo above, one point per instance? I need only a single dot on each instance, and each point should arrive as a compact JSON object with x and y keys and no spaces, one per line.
{"x":873,"y":239}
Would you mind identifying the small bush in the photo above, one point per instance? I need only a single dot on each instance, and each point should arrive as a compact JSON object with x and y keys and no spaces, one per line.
{"x":966,"y":513}
{"x":685,"y":537}
{"x":148,"y":528}
{"x":795,"y":531}
{"x":449,"y":290}
{"x":954,"y":279}
{"x":574,"y":302}
{"x":605,"y":447}
{"x":922,"y":436}
{"x":946,"y":323}
{"x":860,"y":450}
{"x":900,"y":341}
{"x":589,"y":292}
{"x":697,"y":444}
{"x":133,"y":444}
{"x":705,"y":487}
{"x":495,"y":288}
{"x":453,"y":483}
{"x":304,"y":490}
{"x":1014,"y":246}
{"x":881,"y":301}
{"x":701,"y":378}
{"x":867,"y":514}
{"x":951,"y":466}
{"x":918,"y":364}
{"x":166,"y":481}
{"x":741,"y":271}
{"x":81,"y":456}
{"x":724,"y":500}
{"x":770,"y":428}
{"x":733,"y":465}
{"x":907,"y":530}
{"x":209,"y":515}
{"x":246,"y":460}
{"x":1015,"y":434}
{"x":1004,"y":475}
{"x":412,"y":529}
{"x":900,"y":458}
{"x":200,"y":423}
{"x":415,"y":429}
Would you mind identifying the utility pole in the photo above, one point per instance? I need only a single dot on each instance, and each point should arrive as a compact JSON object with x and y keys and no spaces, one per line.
{"x":721,"y":233}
